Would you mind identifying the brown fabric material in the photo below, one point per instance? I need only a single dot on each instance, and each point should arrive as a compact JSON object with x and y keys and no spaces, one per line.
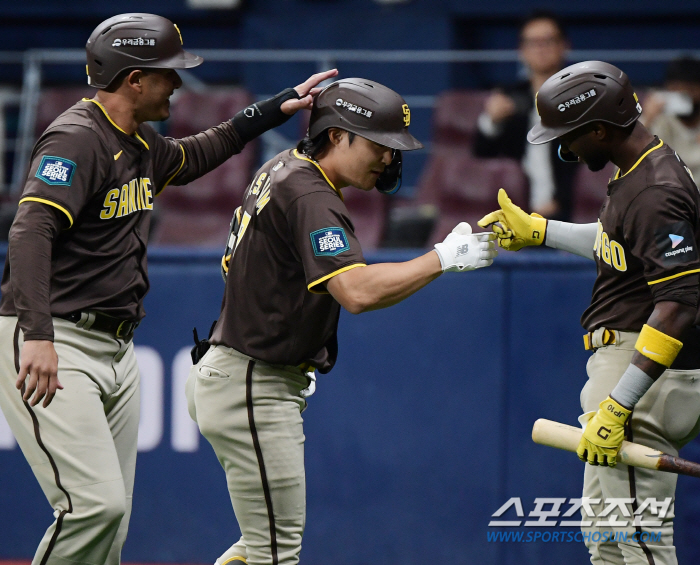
{"x":99,"y":261}
{"x":643,"y":208}
{"x":33,"y":232}
{"x":268,"y":312}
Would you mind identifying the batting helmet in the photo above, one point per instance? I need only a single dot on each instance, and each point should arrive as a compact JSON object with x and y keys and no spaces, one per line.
{"x":366,"y":108}
{"x":134,"y":41}
{"x":592,"y":91}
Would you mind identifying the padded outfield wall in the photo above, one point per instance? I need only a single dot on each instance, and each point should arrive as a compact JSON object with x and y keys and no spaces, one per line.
{"x":414,"y":440}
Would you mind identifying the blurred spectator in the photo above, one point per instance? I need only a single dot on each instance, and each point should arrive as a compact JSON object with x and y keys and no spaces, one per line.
{"x":509,"y":114}
{"x":674,"y":113}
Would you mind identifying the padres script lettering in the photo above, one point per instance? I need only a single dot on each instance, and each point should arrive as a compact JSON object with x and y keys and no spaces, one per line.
{"x":609,"y":250}
{"x":134,"y":196}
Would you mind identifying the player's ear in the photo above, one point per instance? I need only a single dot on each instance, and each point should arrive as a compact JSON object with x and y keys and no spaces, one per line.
{"x":600,"y":131}
{"x":335,"y":135}
{"x":133,"y":79}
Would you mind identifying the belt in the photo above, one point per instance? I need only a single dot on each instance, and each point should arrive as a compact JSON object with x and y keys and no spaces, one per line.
{"x":599,"y":338}
{"x":91,"y":320}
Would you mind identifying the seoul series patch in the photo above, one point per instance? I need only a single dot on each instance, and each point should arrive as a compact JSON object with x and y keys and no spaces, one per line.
{"x":56,"y":171}
{"x":329,"y":242}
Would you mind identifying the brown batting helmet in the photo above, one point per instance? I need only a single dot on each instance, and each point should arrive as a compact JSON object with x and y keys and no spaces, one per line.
{"x":135,"y":41}
{"x":592,"y":91}
{"x":366,"y":108}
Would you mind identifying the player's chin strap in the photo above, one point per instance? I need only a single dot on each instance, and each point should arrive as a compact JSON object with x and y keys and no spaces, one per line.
{"x":262,"y":116}
{"x":389,"y":181}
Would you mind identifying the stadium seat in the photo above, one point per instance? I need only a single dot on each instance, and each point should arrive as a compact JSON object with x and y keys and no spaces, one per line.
{"x":455,"y":116}
{"x":465,"y":188}
{"x":54,"y":101}
{"x":199,"y":213}
{"x":589,"y":192}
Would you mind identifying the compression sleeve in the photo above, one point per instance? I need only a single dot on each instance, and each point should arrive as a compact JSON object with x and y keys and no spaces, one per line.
{"x":574,"y":238}
{"x":33,"y":232}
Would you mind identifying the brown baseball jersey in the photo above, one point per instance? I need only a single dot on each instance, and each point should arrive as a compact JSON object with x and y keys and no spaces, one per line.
{"x":101,"y":184}
{"x":295,"y":234}
{"x":646,"y":249}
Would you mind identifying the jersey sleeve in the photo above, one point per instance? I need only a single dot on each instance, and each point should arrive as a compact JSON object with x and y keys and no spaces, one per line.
{"x":180,"y":161}
{"x":659,"y":228}
{"x":324,"y":237}
{"x":67,"y":168}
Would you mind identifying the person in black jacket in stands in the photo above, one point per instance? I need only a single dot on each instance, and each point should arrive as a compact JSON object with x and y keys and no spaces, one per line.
{"x":509,"y":114}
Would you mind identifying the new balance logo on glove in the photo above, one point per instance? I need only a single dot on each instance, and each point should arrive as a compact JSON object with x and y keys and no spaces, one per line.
{"x":462,"y":250}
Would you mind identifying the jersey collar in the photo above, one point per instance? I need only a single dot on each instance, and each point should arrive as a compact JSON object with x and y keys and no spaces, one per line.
{"x":654,"y":148}
{"x":111,"y":121}
{"x":304,"y":158}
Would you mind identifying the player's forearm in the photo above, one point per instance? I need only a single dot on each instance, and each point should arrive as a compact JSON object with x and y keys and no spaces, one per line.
{"x":578,"y":239}
{"x":656,"y":349}
{"x":30,"y":245}
{"x":383,"y":284}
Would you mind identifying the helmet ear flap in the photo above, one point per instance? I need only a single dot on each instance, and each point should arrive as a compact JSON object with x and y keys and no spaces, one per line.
{"x":389,"y":182}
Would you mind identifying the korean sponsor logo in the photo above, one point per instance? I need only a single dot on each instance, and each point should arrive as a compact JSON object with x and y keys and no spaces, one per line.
{"x":583,"y":512}
{"x":577,"y":100}
{"x":329,"y":241}
{"x":350,"y":107}
{"x":56,"y":171}
{"x":134,"y":42}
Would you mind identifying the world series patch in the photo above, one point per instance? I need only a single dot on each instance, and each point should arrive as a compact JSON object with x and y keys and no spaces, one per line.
{"x":329,"y":242}
{"x":56,"y":171}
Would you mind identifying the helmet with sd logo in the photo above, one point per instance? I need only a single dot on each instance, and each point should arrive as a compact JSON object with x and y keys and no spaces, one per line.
{"x":134,"y":41}
{"x":592,"y":91}
{"x":366,"y":108}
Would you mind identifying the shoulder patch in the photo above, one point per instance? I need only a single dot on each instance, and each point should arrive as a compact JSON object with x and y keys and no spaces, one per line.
{"x":56,"y":171}
{"x":329,"y":242}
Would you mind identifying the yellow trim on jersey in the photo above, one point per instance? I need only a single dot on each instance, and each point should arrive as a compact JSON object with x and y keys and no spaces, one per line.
{"x":44,"y":201}
{"x":237,"y":558}
{"x":334,"y":273}
{"x":675,"y":276}
{"x":111,"y":121}
{"x":167,"y":182}
{"x":617,"y":174}
{"x":296,"y":154}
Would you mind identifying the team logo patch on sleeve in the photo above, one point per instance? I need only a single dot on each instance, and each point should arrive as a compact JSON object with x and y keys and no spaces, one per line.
{"x":329,"y":242}
{"x":56,"y":171}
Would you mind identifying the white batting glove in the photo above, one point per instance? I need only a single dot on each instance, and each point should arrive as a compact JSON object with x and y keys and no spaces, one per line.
{"x":464,"y":251}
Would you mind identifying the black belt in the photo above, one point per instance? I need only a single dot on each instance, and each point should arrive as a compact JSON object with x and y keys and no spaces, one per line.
{"x":91,"y":320}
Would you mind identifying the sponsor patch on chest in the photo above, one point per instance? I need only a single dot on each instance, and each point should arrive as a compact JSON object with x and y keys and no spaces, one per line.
{"x":329,"y":242}
{"x":56,"y":171}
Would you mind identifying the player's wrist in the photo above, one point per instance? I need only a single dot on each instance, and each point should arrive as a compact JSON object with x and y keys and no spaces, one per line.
{"x":262,"y":116}
{"x":633,"y":384}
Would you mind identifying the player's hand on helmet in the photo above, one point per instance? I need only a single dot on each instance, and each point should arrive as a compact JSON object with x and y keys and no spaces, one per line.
{"x":514,"y":227}
{"x":306,"y":91}
{"x":38,"y":372}
{"x":464,"y":251}
{"x":604,"y":433}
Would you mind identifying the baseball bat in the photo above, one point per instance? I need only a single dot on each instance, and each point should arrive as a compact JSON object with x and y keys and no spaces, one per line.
{"x":561,"y":436}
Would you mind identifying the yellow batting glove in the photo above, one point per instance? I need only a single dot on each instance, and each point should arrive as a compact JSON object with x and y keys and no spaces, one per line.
{"x":513,"y":226}
{"x":604,"y":433}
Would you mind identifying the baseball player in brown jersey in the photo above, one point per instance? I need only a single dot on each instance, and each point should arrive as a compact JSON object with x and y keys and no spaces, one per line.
{"x":293,"y":229}
{"x":76,"y":276}
{"x":644,"y":375}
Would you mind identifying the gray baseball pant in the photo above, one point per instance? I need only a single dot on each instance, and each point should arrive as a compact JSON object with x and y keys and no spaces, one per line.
{"x":666,"y":418}
{"x":82,"y":447}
